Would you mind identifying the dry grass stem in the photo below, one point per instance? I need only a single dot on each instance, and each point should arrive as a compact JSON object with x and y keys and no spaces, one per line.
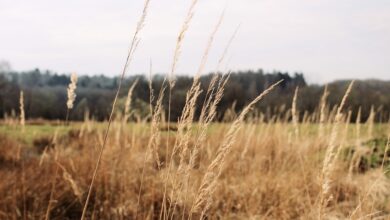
{"x":331,"y":155}
{"x":128,"y":101}
{"x":21,"y":107}
{"x":132,"y":49}
{"x":209,"y":181}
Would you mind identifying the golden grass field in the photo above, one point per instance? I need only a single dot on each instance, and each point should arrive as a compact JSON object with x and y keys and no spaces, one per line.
{"x":273,"y":171}
{"x":293,"y":165}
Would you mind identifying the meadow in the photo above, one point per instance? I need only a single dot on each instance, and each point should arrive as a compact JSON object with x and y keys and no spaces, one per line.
{"x":273,"y":170}
{"x":250,"y":165}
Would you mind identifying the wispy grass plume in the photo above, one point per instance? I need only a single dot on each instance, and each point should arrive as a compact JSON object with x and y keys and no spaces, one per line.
{"x":21,"y":107}
{"x":331,"y":156}
{"x":132,"y":49}
{"x":209,"y":181}
{"x":128,"y":101}
{"x":71,"y":91}
{"x":295,"y":113}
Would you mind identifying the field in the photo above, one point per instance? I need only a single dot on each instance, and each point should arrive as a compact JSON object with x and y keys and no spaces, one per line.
{"x":273,"y":170}
{"x":327,"y":161}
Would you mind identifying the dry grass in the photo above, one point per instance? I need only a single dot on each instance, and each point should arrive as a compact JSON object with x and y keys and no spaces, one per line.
{"x":21,"y":107}
{"x":243,"y":169}
{"x":275,"y":179}
{"x":317,"y":167}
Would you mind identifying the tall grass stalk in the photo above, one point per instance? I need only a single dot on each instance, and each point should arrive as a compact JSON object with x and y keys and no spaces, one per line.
{"x":132,"y":49}
{"x":128,"y":101}
{"x":330,"y":156}
{"x":155,"y":133}
{"x":216,"y":79}
{"x":172,"y":79}
{"x":322,"y":119}
{"x":295,"y":113}
{"x":209,"y":182}
{"x":71,"y":92}
{"x":185,"y":127}
{"x":21,"y":108}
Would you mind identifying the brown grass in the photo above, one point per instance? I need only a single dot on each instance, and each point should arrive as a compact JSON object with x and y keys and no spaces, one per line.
{"x":243,"y":169}
{"x":275,"y":179}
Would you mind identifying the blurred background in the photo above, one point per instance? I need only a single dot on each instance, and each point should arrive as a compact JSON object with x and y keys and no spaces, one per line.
{"x":307,"y":43}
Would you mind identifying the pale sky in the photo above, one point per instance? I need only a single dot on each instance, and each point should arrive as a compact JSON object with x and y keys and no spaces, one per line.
{"x":324,"y":39}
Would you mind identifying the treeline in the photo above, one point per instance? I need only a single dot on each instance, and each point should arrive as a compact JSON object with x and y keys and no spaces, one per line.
{"x":45,"y":94}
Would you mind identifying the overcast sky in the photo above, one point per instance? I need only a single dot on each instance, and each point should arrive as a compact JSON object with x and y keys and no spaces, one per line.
{"x":324,"y":39}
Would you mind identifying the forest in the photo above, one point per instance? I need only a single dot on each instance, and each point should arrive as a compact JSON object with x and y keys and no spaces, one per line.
{"x":45,"y":94}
